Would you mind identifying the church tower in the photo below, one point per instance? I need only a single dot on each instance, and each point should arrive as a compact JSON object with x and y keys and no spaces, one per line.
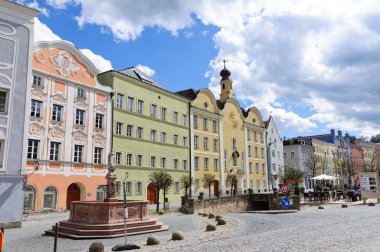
{"x":225,"y":84}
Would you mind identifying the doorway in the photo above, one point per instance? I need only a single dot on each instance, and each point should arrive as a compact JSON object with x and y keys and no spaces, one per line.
{"x":151,"y":195}
{"x":73,"y":194}
{"x":216,"y":188}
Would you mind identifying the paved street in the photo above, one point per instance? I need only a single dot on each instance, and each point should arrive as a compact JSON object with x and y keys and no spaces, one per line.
{"x":331,"y":229}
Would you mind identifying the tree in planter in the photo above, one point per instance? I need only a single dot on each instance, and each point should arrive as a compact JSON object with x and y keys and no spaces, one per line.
{"x":186,"y":182}
{"x":208,"y":180}
{"x":292,"y":176}
{"x":160,"y":180}
{"x":230,"y":179}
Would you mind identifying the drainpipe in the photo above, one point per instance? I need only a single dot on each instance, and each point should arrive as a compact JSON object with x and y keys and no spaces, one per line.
{"x":190,"y":150}
{"x":268,"y":160}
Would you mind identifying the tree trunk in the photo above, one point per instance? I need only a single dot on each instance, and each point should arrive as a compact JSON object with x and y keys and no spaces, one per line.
{"x":164,"y":197}
{"x":209,"y":191}
{"x":158,"y":200}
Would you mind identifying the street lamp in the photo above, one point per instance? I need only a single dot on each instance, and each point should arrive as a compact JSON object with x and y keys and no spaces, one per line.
{"x":36,"y":164}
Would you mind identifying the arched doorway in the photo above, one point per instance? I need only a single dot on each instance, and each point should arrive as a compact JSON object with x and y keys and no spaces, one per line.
{"x":73,"y":194}
{"x":151,"y":194}
{"x":216,"y":188}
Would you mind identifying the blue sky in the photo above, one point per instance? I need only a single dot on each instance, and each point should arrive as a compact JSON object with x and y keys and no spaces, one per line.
{"x":311,"y":64}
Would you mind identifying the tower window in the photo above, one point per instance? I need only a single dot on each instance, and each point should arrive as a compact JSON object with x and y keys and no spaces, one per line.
{"x":224,"y":86}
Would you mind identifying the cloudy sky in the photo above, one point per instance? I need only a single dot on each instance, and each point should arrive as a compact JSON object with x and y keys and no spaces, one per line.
{"x":312,"y":64}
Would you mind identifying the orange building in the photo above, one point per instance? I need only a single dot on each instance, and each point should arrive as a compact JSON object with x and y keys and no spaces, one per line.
{"x":69,"y":131}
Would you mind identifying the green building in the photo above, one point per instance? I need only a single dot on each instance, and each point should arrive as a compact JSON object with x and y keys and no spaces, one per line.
{"x":150,"y":133}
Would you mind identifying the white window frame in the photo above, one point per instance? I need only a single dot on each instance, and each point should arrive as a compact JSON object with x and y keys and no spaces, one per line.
{"x":216,"y":164}
{"x":153,"y":110}
{"x":139,"y":160}
{"x":129,"y":159}
{"x":206,"y":163}
{"x":130,"y":103}
{"x":140,"y":132}
{"x":196,"y":163}
{"x":175,"y":117}
{"x":164,"y":112}
{"x":153,"y":135}
{"x":56,"y":113}
{"x":175,"y":139}
{"x":98,"y":155}
{"x":214,"y":126}
{"x":153,"y":161}
{"x":79,"y":117}
{"x":78,"y":153}
{"x":55,"y":151}
{"x":118,"y":157}
{"x":119,"y":101}
{"x":99,"y":121}
{"x":119,"y":128}
{"x":36,"y":108}
{"x":34,"y":153}
{"x":195,"y":121}
{"x":129,"y":129}
{"x":140,"y":106}
{"x":196,"y":141}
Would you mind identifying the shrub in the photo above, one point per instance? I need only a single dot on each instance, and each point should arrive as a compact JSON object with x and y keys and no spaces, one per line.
{"x":205,"y":214}
{"x":211,"y":216}
{"x":153,"y":240}
{"x":297,"y":190}
{"x":321,"y":207}
{"x":371,"y":204}
{"x":200,"y":213}
{"x":176,"y":236}
{"x":210,"y":227}
{"x":318,"y":188}
{"x":222,"y":222}
{"x":344,"y":206}
{"x":96,"y":247}
{"x":161,"y":213}
{"x":218,"y":217}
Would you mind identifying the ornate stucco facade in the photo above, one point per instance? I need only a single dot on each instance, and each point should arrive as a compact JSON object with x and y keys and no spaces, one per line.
{"x":16,"y":43}
{"x":69,"y":128}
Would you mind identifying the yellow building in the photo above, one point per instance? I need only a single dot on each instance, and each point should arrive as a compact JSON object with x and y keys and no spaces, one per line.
{"x":225,"y":139}
{"x":368,"y":154}
{"x":324,"y":152}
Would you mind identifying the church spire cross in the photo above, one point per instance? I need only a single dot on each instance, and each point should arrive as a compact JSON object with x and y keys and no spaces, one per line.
{"x":224,"y":62}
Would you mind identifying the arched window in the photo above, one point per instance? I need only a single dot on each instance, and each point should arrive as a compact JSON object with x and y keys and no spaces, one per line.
{"x":99,"y":193}
{"x":50,"y":198}
{"x":234,"y":144}
{"x":29,"y":197}
{"x":235,"y":158}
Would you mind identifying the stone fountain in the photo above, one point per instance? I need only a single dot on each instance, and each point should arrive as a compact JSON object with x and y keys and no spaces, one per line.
{"x":105,"y":219}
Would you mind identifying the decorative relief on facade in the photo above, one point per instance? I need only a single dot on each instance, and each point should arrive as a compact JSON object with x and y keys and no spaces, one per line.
{"x":80,"y":103}
{"x":58,"y":98}
{"x":35,"y":129}
{"x":100,"y":108}
{"x":99,"y":139}
{"x":56,"y":132}
{"x":64,"y":64}
{"x":85,"y":73}
{"x":38,"y":93}
{"x":40,"y":57}
{"x":233,"y":120}
{"x":6,"y":67}
{"x":79,"y":136}
{"x":7,"y":29}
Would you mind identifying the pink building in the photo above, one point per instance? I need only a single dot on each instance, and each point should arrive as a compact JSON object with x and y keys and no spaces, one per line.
{"x":69,"y":128}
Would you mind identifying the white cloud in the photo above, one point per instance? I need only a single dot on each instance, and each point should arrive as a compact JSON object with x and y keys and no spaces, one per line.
{"x":35,"y":5}
{"x":44,"y":33}
{"x":61,"y":4}
{"x":146,"y":70}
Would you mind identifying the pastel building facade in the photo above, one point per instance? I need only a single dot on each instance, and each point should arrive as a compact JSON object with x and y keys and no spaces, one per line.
{"x":225,"y":140}
{"x":69,"y":129}
{"x":150,"y":133}
{"x":16,"y":44}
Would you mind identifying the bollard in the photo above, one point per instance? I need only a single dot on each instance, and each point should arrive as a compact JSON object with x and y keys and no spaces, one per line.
{"x":56,"y":237}
{"x":2,"y":239}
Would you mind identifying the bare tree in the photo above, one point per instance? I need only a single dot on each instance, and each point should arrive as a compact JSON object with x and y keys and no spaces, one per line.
{"x":231,"y":180}
{"x":186,"y":182}
{"x":160,"y":180}
{"x":292,"y":176}
{"x":312,"y":165}
{"x":208,"y":180}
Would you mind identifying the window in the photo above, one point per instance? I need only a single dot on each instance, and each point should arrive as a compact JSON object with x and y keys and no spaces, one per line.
{"x":196,"y":184}
{"x":175,"y":117}
{"x":250,"y":167}
{"x":184,"y":164}
{"x":128,"y":188}
{"x":175,"y":139}
{"x":273,"y":153}
{"x":98,"y":155}
{"x":273,"y":167}
{"x":138,"y":187}
{"x":49,"y":198}
{"x":214,"y":126}
{"x":250,"y":183}
{"x":257,"y":168}
{"x":256,"y":152}
{"x":129,"y":130}
{"x":140,"y":106}
{"x":78,"y":153}
{"x":139,"y":160}
{"x":80,"y":93}
{"x":235,"y":159}
{"x":263,"y":168}
{"x":163,"y":162}
{"x":176,"y":187}
{"x":33,"y":149}
{"x":163,"y":137}
{"x":249,"y":151}
{"x":285,"y":157}
{"x":129,"y":159}
{"x":79,"y":117}
{"x":291,"y":155}
{"x":234,"y":144}
{"x":184,"y":120}
{"x":163,"y":114}
{"x":118,"y":188}
{"x":184,"y":141}
{"x":35,"y":109}
{"x":205,"y":143}
{"x":175,"y":163}
{"x":3,"y":101}
{"x":195,"y":121}
{"x":257,"y":183}
{"x":205,"y":124}
{"x":130,"y":103}
{"x":139,"y":133}
{"x":278,"y":154}
{"x":248,"y":135}
{"x":118,"y":158}
{"x":216,"y":164}
{"x":153,"y":135}
{"x":54,"y":151}
{"x":196,"y":140}
{"x":37,"y":81}
{"x":255,"y":136}
{"x":57,"y":113}
{"x":153,"y":110}
{"x":119,"y":101}
{"x":196,"y":163}
{"x":244,"y":183}
{"x":262,"y":152}
{"x":119,"y":127}
{"x":262,"y":137}
{"x":99,"y":121}
{"x":153,"y":161}
{"x":215,"y":144}
{"x":206,"y":164}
